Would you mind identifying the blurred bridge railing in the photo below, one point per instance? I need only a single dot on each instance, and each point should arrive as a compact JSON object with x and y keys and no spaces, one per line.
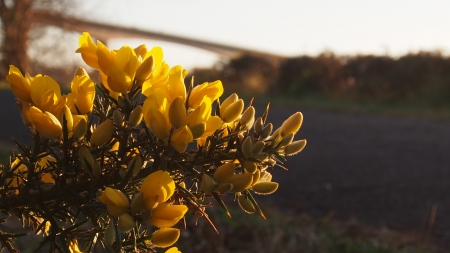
{"x":105,"y":32}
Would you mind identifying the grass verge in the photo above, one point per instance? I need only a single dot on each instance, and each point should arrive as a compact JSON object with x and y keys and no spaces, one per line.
{"x":294,"y":233}
{"x":419,"y":109}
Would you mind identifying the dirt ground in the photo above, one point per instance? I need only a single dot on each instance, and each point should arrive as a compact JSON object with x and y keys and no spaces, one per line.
{"x":382,"y":171}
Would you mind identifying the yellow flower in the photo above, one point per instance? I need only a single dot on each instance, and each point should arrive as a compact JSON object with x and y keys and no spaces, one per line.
{"x":73,"y":246}
{"x":145,"y":69}
{"x":116,"y":202}
{"x":88,"y":50}
{"x":211,"y":90}
{"x":155,"y":112}
{"x":180,"y":138}
{"x":83,"y":93}
{"x":157,"y":187}
{"x":20,"y":85}
{"x":46,"y":94}
{"x":167,"y":215}
{"x":175,"y":83}
{"x":173,"y":250}
{"x":45,"y":123}
{"x":165,"y":237}
{"x":200,"y":114}
{"x":119,"y":66}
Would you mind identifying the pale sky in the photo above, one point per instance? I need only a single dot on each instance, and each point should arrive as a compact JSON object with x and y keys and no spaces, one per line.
{"x":288,"y":28}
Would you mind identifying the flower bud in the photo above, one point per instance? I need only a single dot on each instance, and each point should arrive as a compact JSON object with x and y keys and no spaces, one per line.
{"x":224,"y":187}
{"x":227,"y":102}
{"x":224,"y":172}
{"x":145,"y":69}
{"x":207,"y":184}
{"x":79,"y":130}
{"x":248,"y":117}
{"x":287,"y":140}
{"x":233,"y":111}
{"x":117,"y":118}
{"x":255,"y":176}
{"x":261,"y":156}
{"x":265,"y":188}
{"x":135,"y":164}
{"x":247,"y":147}
{"x":250,"y":166}
{"x":294,"y":147}
{"x":86,"y":159}
{"x":137,"y":205}
{"x":198,"y":130}
{"x":258,"y":147}
{"x":266,"y":131}
{"x":271,"y":162}
{"x":165,"y":237}
{"x":135,"y":117}
{"x":65,"y":111}
{"x":110,"y":234}
{"x":45,"y":123}
{"x":246,"y":204}
{"x":292,"y":124}
{"x":126,"y":222}
{"x":258,"y":126}
{"x":177,"y":112}
{"x":102,"y":134}
{"x":240,"y":182}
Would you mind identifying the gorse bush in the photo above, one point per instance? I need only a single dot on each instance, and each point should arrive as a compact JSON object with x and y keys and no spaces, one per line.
{"x":118,"y":164}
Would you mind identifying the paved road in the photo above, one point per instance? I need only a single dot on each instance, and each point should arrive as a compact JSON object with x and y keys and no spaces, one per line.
{"x":382,"y":171}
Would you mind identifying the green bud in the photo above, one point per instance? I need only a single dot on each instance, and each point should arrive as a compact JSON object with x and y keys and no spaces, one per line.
{"x":102,"y":134}
{"x":145,"y":69}
{"x":250,"y":166}
{"x":233,"y":111}
{"x":197,"y":130}
{"x":177,"y":112}
{"x":258,"y":147}
{"x":287,"y":140}
{"x":110,"y":234}
{"x":261,"y":156}
{"x":135,"y":117}
{"x":224,"y":172}
{"x":126,"y":222}
{"x":265,"y":188}
{"x":240,"y":182}
{"x":86,"y":159}
{"x":224,"y":187}
{"x":79,"y":130}
{"x":137,"y":205}
{"x":258,"y":127}
{"x":247,"y":147}
{"x":246,"y":204}
{"x":207,"y":184}
{"x":227,"y":102}
{"x":294,"y":147}
{"x":117,"y":118}
{"x":135,"y":165}
{"x":266,"y":131}
{"x":248,"y":117}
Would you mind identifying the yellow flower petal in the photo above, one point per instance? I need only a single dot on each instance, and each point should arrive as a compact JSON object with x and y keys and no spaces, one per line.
{"x":157,"y":187}
{"x":165,"y":237}
{"x":166,"y":215}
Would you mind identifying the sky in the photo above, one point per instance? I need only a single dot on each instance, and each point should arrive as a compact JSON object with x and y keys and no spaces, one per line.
{"x":285,"y":27}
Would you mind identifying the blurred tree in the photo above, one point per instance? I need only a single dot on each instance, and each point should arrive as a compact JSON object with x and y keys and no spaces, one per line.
{"x":16,"y":18}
